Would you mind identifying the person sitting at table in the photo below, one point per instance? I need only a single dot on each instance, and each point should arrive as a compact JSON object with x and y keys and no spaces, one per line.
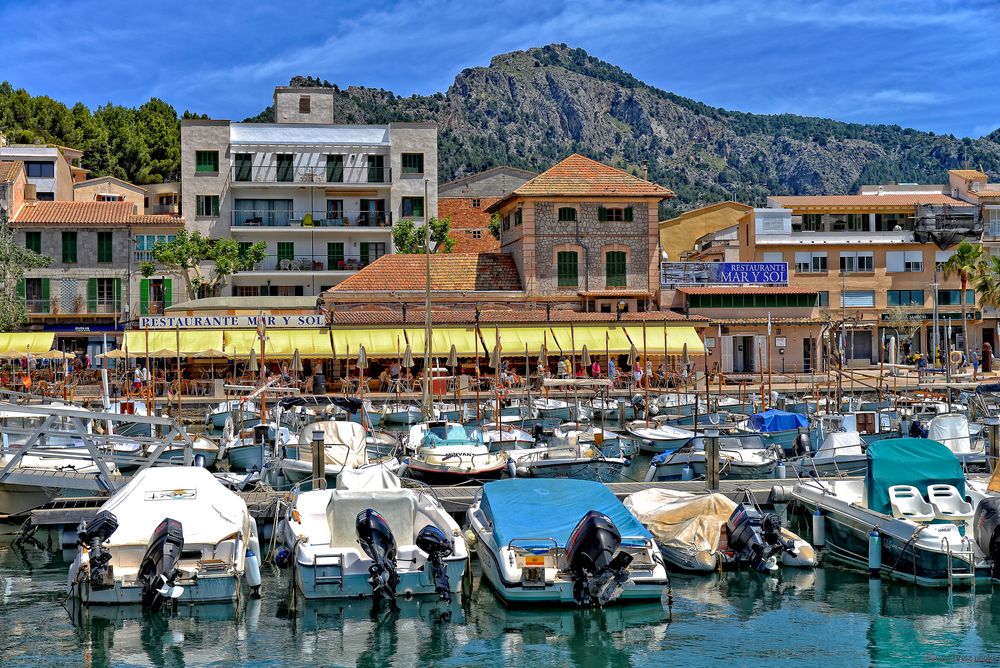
{"x":595,"y":369}
{"x":384,"y":380}
{"x":408,"y":379}
{"x":394,"y":370}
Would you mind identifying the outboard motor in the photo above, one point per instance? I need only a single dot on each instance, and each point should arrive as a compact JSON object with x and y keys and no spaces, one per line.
{"x":917,"y":430}
{"x":987,"y":530}
{"x":93,"y":536}
{"x":437,"y":545}
{"x":538,"y":431}
{"x":158,"y":569}
{"x":599,"y":575}
{"x":379,"y":544}
{"x":770,"y":531}
{"x":803,"y":444}
{"x":746,"y":541}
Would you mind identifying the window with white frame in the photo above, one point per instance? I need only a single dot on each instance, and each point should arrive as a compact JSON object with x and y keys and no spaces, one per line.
{"x":857,"y":298}
{"x":773,"y":257}
{"x":940,"y":257}
{"x":993,"y":222}
{"x":904,"y":261}
{"x":857,"y":262}
{"x":770,"y":224}
{"x":810,"y":262}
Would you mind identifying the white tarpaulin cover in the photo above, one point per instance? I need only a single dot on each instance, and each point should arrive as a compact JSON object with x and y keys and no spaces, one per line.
{"x":682,"y":521}
{"x":345,"y":443}
{"x":207,"y":511}
{"x":370,"y":477}
{"x":839,"y":444}
{"x":952,"y":430}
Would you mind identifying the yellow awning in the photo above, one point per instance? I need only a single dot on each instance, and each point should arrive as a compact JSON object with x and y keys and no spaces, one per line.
{"x":311,"y":343}
{"x":388,"y":343}
{"x":23,"y":342}
{"x":676,"y":338}
{"x":191,"y":341}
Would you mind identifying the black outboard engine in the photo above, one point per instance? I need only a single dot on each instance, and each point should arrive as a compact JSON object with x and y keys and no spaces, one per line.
{"x":803,"y":444}
{"x":437,"y":545}
{"x":917,"y":430}
{"x":379,"y":544}
{"x":599,"y":575}
{"x":93,"y":536}
{"x":987,"y":530}
{"x":770,"y":531}
{"x":158,"y":569}
{"x":746,"y":541}
{"x":538,"y":431}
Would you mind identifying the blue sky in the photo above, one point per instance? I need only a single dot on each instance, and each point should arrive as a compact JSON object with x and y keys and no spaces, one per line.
{"x":929,"y":65}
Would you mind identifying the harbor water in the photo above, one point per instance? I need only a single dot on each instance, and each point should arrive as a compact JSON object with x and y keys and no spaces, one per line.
{"x":829,"y":617}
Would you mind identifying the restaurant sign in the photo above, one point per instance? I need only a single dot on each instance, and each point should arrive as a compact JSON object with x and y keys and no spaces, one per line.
{"x":232,"y":321}
{"x":723,"y":273}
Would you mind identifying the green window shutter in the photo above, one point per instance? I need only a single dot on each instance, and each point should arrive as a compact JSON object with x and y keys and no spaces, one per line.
{"x":615,"y":269}
{"x":45,"y":295}
{"x":92,"y":295}
{"x":628,"y":214}
{"x":602,"y":214}
{"x":69,"y":247}
{"x":334,"y":255}
{"x":143,"y":296}
{"x":33,"y":241}
{"x":206,"y":161}
{"x":286,"y":250}
{"x":168,"y":292}
{"x":118,"y":294}
{"x":105,"y":248}
{"x":20,"y":289}
{"x":335,"y":168}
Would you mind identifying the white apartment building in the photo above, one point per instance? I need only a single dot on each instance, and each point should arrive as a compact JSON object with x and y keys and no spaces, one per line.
{"x":50,"y":170}
{"x":323,"y":197}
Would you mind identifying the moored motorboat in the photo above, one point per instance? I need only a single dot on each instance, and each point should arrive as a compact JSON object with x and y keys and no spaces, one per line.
{"x":398,"y":412}
{"x":841,"y":453}
{"x":656,"y":437}
{"x":236,"y":410}
{"x":560,"y":409}
{"x":777,"y":427}
{"x":569,"y":459}
{"x":956,"y":433}
{"x":563,"y":542}
{"x":741,"y":457}
{"x":444,"y":453}
{"x":345,"y":448}
{"x":171,"y":533}
{"x":505,"y":437}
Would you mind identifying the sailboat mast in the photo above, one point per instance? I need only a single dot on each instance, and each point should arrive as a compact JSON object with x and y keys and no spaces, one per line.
{"x":426,"y":403}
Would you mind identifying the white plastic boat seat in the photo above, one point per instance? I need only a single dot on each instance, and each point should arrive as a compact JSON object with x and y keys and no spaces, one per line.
{"x":223,"y":551}
{"x":908,"y":504}
{"x":311,"y":507}
{"x":948,"y":504}
{"x":398,"y":507}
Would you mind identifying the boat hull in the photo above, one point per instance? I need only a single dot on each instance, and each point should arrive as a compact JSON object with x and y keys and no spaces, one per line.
{"x":600,"y":470}
{"x":441,"y":475}
{"x":202,"y":589}
{"x":315,"y":582}
{"x":21,"y":499}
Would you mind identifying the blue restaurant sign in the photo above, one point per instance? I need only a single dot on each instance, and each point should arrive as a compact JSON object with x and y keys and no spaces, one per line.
{"x":723,"y":273}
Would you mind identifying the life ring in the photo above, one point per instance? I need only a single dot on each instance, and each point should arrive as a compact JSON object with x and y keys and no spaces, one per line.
{"x":955,"y":356}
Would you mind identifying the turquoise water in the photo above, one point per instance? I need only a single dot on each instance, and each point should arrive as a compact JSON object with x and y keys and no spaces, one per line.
{"x":828,"y":617}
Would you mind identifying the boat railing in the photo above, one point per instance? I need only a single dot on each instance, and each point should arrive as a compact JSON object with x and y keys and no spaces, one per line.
{"x":511,"y":543}
{"x":297,"y":487}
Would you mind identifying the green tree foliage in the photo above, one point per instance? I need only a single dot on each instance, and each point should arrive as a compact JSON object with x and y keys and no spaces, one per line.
{"x":408,"y":237}
{"x":495,"y":226}
{"x":964,"y":263}
{"x":14,"y":259}
{"x":204,"y":264}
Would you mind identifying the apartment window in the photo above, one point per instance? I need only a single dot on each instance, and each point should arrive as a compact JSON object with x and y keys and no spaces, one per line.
{"x":35,"y":292}
{"x":771,"y":224}
{"x":45,"y":197}
{"x":286,"y":172}
{"x":505,"y":222}
{"x":206,"y":161}
{"x":245,"y":291}
{"x":614,"y":268}
{"x":335,"y":169}
{"x":568,"y":272}
{"x":857,"y":222}
{"x":207,"y":205}
{"x":808,"y":263}
{"x":39,"y":170}
{"x":370,"y":251}
{"x":887,"y":222}
{"x":372,"y":212}
{"x":741,"y":301}
{"x":476,"y":204}
{"x":335,"y":209}
{"x":245,"y":247}
{"x":477,"y":234}
{"x":413,"y":163}
{"x":904,"y":261}
{"x":376,"y":169}
{"x":857,"y":262}
{"x":103,"y":294}
{"x":335,"y":255}
{"x":614,"y":214}
{"x":243,"y":167}
{"x":286,"y":250}
{"x":953,"y":297}
{"x":304,"y":104}
{"x":812,"y":222}
{"x":567,"y":214}
{"x":941,"y":257}
{"x":905,"y":297}
{"x":773,"y":257}
{"x":69,"y":247}
{"x":518,"y":219}
{"x":823,"y":298}
{"x":33,"y":241}
{"x":413,"y":207}
{"x":105,"y":248}
{"x":109,"y":197}
{"x":857,"y":298}
{"x":145,"y":202}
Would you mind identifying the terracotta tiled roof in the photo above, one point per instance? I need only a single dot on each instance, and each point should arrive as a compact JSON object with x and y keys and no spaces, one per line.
{"x":615,"y":292}
{"x":763,"y":321}
{"x":415,"y":316}
{"x":738,"y":290}
{"x":452,"y":272}
{"x":863,"y":201}
{"x":968,"y":174}
{"x":987,"y":194}
{"x":582,"y":177}
{"x":8,"y":170}
{"x":87,"y":213}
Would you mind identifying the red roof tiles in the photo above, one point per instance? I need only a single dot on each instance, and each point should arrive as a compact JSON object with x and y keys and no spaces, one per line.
{"x":369,"y":316}
{"x":8,"y":170}
{"x":864,"y":201}
{"x":87,"y":213}
{"x":452,"y":272}
{"x":737,"y":290}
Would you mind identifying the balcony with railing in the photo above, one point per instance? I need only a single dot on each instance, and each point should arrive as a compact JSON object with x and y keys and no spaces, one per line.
{"x":77,"y":306}
{"x":165,"y":209}
{"x":311,"y":219}
{"x":991,"y":230}
{"x":328,"y":262}
{"x":325,"y":175}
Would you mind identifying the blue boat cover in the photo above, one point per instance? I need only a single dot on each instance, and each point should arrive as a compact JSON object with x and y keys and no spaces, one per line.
{"x":542,"y":508}
{"x":774,"y":420}
{"x":909,"y":461}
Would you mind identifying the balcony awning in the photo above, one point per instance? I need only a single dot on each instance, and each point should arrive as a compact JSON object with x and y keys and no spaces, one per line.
{"x":191,"y":341}
{"x":25,"y":342}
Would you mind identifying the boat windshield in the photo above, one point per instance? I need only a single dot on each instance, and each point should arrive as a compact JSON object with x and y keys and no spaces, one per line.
{"x":445,"y":432}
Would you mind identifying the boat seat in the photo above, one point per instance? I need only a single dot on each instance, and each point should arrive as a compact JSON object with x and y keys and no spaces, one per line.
{"x":948,"y":504}
{"x":908,"y":504}
{"x":398,"y":507}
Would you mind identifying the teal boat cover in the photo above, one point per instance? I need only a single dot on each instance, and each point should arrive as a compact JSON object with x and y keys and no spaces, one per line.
{"x":774,"y":420}
{"x":542,"y":508}
{"x":918,"y":462}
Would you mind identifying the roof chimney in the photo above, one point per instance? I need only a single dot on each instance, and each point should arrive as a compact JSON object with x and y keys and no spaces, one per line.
{"x":645,"y":170}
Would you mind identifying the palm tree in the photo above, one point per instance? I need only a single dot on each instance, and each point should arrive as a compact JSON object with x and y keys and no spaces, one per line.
{"x":986,"y":281}
{"x":965,"y":264}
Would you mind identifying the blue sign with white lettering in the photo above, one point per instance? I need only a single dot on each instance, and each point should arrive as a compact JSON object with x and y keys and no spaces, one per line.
{"x":723,"y":273}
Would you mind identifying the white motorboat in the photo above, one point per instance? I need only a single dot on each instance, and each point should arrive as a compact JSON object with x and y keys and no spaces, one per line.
{"x":505,"y":437}
{"x":954,"y":431}
{"x":236,"y":410}
{"x":693,"y":533}
{"x":444,"y":453}
{"x":912,"y":517}
{"x":612,"y":409}
{"x":656,"y":437}
{"x":17,"y":499}
{"x":566,"y":542}
{"x":345,"y":447}
{"x":608,"y":442}
{"x":369,"y":537}
{"x":398,"y":412}
{"x":570,"y":458}
{"x":172,"y":532}
{"x":741,"y":457}
{"x":559,"y":409}
{"x":841,"y":453}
